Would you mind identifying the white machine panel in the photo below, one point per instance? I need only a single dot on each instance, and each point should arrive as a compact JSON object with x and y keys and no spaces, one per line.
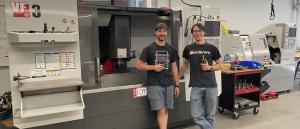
{"x":286,"y":36}
{"x":284,"y":40}
{"x":260,"y":48}
{"x":281,"y":77}
{"x":247,"y":47}
{"x":3,"y":38}
{"x":239,"y":45}
{"x":2,"y":17}
{"x":44,"y":62}
{"x":3,"y":54}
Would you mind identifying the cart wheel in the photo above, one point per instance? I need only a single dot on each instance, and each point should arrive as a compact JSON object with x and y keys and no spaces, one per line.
{"x":255,"y":111}
{"x":220,"y":109}
{"x":235,"y":115}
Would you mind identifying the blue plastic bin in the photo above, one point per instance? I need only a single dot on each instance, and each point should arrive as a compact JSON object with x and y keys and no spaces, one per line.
{"x":251,"y":64}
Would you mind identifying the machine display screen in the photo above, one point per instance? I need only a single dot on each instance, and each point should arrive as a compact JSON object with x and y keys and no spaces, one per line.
{"x":212,"y":28}
{"x":292,"y":32}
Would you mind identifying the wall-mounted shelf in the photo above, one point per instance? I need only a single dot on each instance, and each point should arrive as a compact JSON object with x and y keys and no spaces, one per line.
{"x":50,"y":84}
{"x":17,"y":37}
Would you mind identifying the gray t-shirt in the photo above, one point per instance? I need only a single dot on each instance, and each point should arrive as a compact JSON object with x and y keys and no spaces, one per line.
{"x":153,"y":55}
{"x":194,"y":53}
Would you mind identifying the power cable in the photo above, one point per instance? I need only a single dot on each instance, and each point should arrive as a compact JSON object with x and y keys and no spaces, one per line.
{"x":272,"y":14}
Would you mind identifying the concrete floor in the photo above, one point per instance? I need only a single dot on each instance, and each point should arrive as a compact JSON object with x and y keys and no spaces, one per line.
{"x":281,"y":113}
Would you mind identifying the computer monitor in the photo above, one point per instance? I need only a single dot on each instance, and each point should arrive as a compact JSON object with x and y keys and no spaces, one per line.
{"x":212,"y":28}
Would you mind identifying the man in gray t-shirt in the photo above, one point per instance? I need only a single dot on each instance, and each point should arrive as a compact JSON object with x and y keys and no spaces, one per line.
{"x":200,"y":57}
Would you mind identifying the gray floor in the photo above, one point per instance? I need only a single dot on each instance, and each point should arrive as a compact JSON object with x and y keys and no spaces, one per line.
{"x":281,"y":113}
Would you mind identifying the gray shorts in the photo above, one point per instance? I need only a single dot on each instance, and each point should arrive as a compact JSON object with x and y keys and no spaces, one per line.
{"x":160,"y":97}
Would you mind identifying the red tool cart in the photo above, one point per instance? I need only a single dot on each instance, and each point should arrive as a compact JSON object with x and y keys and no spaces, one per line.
{"x":240,"y":91}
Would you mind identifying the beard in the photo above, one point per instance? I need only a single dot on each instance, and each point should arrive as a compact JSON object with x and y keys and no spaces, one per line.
{"x":161,"y":38}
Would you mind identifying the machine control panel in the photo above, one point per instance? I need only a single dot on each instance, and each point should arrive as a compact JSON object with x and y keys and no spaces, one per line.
{"x":289,"y":36}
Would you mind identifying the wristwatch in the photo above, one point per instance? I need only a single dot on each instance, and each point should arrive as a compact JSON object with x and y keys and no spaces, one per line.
{"x":177,"y":86}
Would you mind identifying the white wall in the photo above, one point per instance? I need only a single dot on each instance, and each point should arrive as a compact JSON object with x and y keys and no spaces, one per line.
{"x":248,"y":16}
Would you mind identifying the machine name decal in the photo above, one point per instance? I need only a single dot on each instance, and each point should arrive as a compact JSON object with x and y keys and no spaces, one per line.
{"x":22,"y":9}
{"x":37,"y":12}
{"x":139,"y":92}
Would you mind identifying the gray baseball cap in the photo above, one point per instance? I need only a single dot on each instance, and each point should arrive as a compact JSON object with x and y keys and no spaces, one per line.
{"x":161,"y":26}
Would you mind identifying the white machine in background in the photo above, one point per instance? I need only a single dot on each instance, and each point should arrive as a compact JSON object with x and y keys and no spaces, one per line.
{"x":211,"y":20}
{"x":246,"y":47}
{"x":281,"y":39}
{"x":44,"y":63}
{"x":286,"y":40}
{"x":275,"y":53}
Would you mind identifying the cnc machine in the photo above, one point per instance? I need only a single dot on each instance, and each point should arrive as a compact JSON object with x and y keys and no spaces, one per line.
{"x":76,"y":69}
{"x":281,"y":39}
{"x":115,"y":94}
{"x":274,"y":47}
